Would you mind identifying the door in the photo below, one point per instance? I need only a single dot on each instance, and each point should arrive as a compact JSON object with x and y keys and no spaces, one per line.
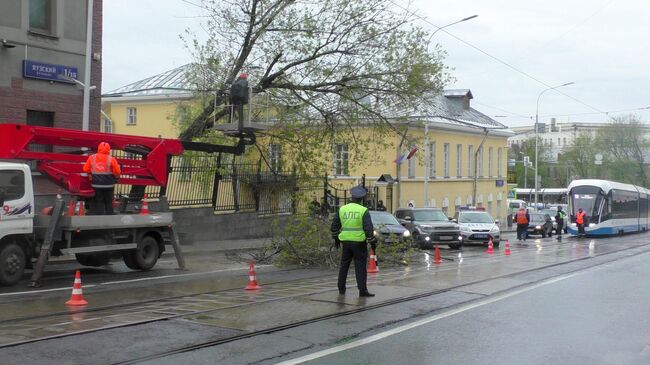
{"x":16,"y":215}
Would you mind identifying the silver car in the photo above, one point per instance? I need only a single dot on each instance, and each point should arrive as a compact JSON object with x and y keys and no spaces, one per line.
{"x":478,"y":227}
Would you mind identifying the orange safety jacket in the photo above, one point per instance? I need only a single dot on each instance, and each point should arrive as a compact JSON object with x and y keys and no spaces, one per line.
{"x":580,"y":218}
{"x":103,"y":168}
{"x":521,"y":217}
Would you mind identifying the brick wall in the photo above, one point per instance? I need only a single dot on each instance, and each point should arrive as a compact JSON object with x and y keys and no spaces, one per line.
{"x":16,"y":100}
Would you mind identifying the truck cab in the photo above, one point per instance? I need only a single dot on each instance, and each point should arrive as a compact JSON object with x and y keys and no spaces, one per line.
{"x":16,"y":218}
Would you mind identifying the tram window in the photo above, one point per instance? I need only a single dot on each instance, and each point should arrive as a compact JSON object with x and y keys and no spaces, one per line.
{"x":643,"y":206}
{"x":624,"y":204}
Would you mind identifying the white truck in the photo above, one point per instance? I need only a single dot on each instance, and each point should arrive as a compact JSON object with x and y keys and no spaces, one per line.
{"x":35,"y":227}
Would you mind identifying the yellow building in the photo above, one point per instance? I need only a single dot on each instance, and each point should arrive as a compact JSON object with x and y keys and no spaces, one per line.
{"x":147,"y":107}
{"x":461,"y":157}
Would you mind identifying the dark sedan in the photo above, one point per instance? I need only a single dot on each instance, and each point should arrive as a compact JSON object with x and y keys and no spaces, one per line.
{"x":387,"y":228}
{"x":538,"y":225}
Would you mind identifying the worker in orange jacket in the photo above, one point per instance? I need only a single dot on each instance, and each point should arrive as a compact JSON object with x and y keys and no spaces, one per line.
{"x":581,"y":220}
{"x":104,"y":172}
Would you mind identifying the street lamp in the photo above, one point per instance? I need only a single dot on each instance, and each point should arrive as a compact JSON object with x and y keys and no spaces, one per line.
{"x":450,"y":24}
{"x":536,"y":128}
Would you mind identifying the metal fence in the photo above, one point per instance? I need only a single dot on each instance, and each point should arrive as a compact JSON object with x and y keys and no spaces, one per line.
{"x":227,"y":185}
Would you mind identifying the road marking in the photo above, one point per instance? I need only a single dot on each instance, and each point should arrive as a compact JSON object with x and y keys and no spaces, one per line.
{"x":127,"y":281}
{"x":394,"y":331}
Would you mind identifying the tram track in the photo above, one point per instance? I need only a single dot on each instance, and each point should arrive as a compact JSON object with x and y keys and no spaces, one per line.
{"x":383,"y":304}
{"x":291,"y":325}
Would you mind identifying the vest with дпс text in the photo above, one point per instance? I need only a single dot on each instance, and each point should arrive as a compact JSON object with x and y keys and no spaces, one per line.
{"x":351,"y":216}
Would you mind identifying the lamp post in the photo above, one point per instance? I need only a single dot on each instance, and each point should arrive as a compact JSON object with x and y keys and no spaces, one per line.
{"x":450,"y":24}
{"x":536,"y":139}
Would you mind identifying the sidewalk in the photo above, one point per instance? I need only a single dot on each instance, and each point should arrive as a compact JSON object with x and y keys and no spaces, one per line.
{"x":200,"y":247}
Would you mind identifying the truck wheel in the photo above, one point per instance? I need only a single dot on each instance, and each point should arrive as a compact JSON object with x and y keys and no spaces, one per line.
{"x":96,"y":260}
{"x":12,"y":264}
{"x":130,"y":261}
{"x":146,"y":255}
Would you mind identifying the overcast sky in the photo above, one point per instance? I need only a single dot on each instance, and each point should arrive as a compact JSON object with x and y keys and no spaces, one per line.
{"x":601,"y":45}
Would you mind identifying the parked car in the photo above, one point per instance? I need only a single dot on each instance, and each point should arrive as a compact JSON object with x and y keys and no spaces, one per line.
{"x":478,"y":227}
{"x":429,"y":226}
{"x":538,"y":225}
{"x":387,"y":228}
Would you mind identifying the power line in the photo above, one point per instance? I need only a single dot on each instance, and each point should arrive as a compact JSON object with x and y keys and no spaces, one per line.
{"x":496,"y":58}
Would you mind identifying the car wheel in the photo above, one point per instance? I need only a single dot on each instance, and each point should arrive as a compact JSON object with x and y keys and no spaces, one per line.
{"x":12,"y":264}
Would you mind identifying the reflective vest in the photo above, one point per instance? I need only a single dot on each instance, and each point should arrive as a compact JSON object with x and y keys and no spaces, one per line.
{"x":101,"y":172}
{"x":580,"y":218}
{"x":521,"y":217}
{"x":561,"y":215}
{"x":351,"y":216}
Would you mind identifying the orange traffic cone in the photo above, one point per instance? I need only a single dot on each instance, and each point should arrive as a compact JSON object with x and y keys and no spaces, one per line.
{"x":82,"y":208}
{"x":372,"y":263}
{"x":436,"y":255}
{"x":490,"y":249}
{"x":71,"y":208}
{"x":252,"y":278}
{"x":77,"y":297}
{"x":507,"y":250}
{"x":145,"y":206}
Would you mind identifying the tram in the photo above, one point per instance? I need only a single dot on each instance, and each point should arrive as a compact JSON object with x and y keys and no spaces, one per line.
{"x":612,"y":208}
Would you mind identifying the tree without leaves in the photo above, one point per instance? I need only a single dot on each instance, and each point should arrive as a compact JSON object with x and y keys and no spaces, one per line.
{"x":325,"y":64}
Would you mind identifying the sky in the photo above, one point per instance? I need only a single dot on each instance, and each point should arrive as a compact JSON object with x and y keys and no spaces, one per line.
{"x":507,"y":56}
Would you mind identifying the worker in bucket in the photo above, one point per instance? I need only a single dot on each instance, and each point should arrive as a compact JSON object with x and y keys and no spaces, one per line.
{"x":351,"y":228}
{"x":104,"y":172}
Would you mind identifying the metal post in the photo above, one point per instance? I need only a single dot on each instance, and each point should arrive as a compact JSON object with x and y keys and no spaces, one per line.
{"x":89,"y":42}
{"x":426,"y":165}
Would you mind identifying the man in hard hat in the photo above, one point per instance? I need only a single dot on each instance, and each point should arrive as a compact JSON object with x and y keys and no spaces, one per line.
{"x":351,"y":228}
{"x":104,"y":172}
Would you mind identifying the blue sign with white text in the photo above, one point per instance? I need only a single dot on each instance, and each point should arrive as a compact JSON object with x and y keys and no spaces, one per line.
{"x":48,"y":71}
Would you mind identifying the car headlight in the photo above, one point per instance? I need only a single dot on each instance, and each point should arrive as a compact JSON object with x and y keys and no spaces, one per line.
{"x":406,"y":234}
{"x":460,"y":238}
{"x":375,"y":233}
{"x":494,"y":229}
{"x":427,"y":238}
{"x":538,"y":227}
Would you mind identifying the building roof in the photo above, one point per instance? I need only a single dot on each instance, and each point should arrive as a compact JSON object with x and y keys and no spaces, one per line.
{"x":174,"y":82}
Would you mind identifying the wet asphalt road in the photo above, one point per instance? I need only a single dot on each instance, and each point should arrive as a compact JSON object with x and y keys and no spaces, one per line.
{"x":483,"y":332}
{"x":598,"y":316}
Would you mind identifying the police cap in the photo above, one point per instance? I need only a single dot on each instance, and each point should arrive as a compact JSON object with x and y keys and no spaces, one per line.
{"x":358,"y":192}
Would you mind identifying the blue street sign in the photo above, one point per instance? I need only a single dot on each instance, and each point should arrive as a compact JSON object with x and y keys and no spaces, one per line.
{"x":48,"y":71}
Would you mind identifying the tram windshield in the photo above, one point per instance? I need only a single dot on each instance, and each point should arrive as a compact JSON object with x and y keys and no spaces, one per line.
{"x":589,"y":199}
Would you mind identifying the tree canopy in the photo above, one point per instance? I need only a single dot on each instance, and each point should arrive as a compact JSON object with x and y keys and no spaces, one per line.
{"x":326,"y":62}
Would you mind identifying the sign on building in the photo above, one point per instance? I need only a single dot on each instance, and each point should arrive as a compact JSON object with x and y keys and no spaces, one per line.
{"x":48,"y":71}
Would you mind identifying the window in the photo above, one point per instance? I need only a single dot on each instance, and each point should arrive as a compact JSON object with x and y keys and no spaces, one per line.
{"x":411,"y":166}
{"x":12,"y":184}
{"x":490,"y":161}
{"x":446,"y":154}
{"x":274,"y":157}
{"x":479,"y":162}
{"x":432,"y":159}
{"x":459,"y":160}
{"x":499,"y":163}
{"x":564,"y":141}
{"x":470,"y":160}
{"x":341,"y":159}
{"x":40,"y":15}
{"x":131,"y":116}
{"x":108,"y":126}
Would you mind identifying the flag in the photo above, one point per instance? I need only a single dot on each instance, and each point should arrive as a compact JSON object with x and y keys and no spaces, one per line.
{"x":399,"y":159}
{"x":412,"y":153}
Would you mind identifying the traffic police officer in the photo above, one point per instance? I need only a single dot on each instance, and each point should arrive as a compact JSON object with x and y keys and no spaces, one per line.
{"x":351,"y":228}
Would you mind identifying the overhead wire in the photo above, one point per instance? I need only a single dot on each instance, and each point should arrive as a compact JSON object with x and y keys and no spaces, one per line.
{"x":424,"y":19}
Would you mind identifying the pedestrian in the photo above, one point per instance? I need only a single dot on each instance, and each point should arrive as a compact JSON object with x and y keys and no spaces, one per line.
{"x":380,"y":206}
{"x":314,"y":207}
{"x":104,"y":172}
{"x":581,"y":219}
{"x":522,"y":218}
{"x":351,"y":228}
{"x":559,"y":220}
